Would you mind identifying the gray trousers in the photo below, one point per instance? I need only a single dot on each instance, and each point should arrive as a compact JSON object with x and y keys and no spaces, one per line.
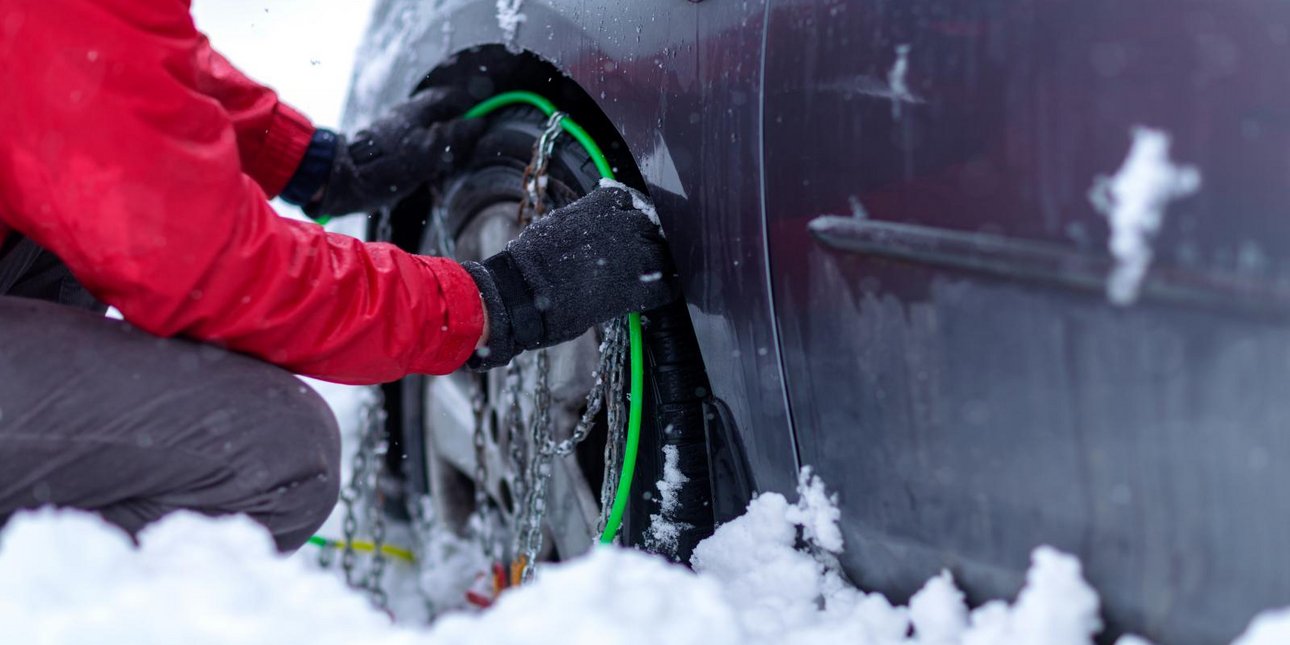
{"x":98,"y":415}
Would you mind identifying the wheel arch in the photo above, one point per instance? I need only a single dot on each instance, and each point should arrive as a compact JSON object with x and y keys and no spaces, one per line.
{"x":412,"y":44}
{"x":615,"y":79}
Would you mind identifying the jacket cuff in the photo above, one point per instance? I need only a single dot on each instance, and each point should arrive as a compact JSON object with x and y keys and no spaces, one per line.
{"x":285,"y":143}
{"x":500,"y":348}
{"x":312,"y":173}
{"x":452,"y":339}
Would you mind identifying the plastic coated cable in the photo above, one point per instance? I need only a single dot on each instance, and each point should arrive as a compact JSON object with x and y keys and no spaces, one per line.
{"x":365,"y":547}
{"x":637,"y":395}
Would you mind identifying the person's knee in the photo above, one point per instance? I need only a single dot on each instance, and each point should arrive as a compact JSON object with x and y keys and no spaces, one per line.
{"x":289,"y":465}
{"x":311,"y":432}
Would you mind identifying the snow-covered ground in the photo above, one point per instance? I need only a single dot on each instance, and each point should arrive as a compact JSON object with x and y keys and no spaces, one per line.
{"x":68,"y":578}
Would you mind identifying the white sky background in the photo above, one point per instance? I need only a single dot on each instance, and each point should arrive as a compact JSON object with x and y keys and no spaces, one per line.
{"x":304,"y":49}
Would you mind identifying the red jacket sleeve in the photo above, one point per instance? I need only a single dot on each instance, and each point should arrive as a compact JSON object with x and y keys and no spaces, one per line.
{"x":113,"y":157}
{"x":271,"y":136}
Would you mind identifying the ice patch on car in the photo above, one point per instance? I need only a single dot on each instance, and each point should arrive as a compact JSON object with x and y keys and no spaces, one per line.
{"x":639,"y":202}
{"x":857,"y":209}
{"x":897,"y":80}
{"x":664,"y":528}
{"x":509,"y":19}
{"x":389,"y":48}
{"x":894,"y":88}
{"x":1134,"y":202}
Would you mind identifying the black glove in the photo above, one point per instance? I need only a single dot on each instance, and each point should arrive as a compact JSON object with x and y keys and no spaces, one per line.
{"x":581,"y":265}
{"x":416,"y":142}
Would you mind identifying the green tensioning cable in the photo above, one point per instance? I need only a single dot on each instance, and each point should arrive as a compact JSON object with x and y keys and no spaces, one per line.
{"x":633,"y":320}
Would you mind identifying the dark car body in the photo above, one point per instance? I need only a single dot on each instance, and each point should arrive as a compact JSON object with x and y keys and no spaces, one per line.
{"x":945,"y":355}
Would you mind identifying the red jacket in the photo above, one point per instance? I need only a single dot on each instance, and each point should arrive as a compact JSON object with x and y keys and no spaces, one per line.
{"x":139,"y":156}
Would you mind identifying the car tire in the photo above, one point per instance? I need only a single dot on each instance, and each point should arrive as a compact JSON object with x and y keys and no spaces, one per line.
{"x":677,"y":392}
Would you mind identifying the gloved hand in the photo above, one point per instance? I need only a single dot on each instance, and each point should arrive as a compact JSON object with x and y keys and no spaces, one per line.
{"x":581,"y":265}
{"x":416,"y":142}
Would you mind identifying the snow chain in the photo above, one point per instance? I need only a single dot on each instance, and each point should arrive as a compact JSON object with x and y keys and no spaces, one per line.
{"x":613,"y":377}
{"x":363,"y":488}
{"x":530,"y":461}
{"x":421,"y":512}
{"x":535,"y":473}
{"x":483,"y":509}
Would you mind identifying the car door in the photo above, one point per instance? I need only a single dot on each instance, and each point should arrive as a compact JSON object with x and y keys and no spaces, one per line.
{"x":954,"y":365}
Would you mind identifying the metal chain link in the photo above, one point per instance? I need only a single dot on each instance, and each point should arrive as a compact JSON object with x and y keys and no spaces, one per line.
{"x":363,"y":490}
{"x":421,"y":512}
{"x":326,"y":556}
{"x":528,"y":518}
{"x":535,"y":181}
{"x":615,"y":418}
{"x":613,"y":351}
{"x":349,"y":496}
{"x":610,"y":376}
{"x":483,"y":516}
{"x":516,"y":447}
{"x":530,"y":528}
{"x":379,"y":446}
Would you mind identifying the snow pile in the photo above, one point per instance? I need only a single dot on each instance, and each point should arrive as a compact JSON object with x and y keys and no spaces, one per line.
{"x":938,"y":613}
{"x":1268,"y":628}
{"x":612,"y":596}
{"x":68,"y":578}
{"x":785,"y":595}
{"x":1056,"y":607}
{"x":1134,"y":202}
{"x":817,"y":513}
